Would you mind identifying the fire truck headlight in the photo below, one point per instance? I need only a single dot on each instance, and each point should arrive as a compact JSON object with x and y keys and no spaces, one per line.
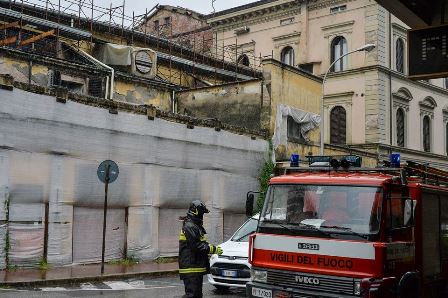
{"x":357,"y":288}
{"x":259,"y":275}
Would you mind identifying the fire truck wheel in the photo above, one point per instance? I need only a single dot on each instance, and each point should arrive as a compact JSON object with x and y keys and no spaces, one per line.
{"x":409,"y":286}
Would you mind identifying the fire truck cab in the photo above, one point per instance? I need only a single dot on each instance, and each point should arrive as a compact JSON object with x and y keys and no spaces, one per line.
{"x":352,"y":232}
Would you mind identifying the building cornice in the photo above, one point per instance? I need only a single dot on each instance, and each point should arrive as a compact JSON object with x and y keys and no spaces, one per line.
{"x":341,"y":94}
{"x":292,"y":68}
{"x":387,"y":71}
{"x":338,"y":25}
{"x":274,"y":8}
{"x":290,"y":35}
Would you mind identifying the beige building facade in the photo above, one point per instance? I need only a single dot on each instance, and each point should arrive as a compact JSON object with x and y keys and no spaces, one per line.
{"x":369,"y":103}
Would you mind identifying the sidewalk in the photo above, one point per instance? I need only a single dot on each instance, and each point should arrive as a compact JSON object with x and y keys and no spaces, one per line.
{"x":83,"y":273}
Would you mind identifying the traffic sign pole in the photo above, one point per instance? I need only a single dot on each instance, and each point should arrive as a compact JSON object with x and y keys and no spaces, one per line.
{"x":103,"y":249}
{"x":107,"y":173}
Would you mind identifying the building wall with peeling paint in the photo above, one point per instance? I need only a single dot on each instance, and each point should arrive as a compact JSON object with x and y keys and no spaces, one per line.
{"x":254,"y":103}
{"x":290,"y":86}
{"x":236,"y":104}
{"x":77,"y":81}
{"x":142,"y":94}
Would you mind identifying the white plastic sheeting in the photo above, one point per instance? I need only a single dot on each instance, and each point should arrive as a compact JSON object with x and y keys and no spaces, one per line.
{"x":144,"y":224}
{"x":169,"y":229}
{"x":163,"y":167}
{"x":232,"y":221}
{"x":308,"y":121}
{"x":3,"y":231}
{"x":88,"y":234}
{"x":26,"y":233}
{"x":114,"y":54}
{"x":26,"y":244}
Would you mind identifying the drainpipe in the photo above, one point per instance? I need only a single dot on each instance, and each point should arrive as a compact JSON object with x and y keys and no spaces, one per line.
{"x":112,"y":76}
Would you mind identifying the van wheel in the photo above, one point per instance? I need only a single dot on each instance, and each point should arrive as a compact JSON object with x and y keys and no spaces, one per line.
{"x":221,"y":288}
{"x":409,"y":286}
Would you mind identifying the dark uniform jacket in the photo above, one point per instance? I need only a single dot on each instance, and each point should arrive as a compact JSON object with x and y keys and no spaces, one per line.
{"x":193,"y":249}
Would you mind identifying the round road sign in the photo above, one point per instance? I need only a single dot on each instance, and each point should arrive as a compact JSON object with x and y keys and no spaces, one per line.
{"x":103,"y":169}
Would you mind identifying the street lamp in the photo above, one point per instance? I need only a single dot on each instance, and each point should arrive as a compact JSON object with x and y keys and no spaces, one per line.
{"x":365,"y":48}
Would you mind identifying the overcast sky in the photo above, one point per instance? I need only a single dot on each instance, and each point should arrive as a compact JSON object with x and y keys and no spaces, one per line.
{"x":137,"y":6}
{"x":202,"y":6}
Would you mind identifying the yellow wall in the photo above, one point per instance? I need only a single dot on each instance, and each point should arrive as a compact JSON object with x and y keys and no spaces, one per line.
{"x":291,"y":87}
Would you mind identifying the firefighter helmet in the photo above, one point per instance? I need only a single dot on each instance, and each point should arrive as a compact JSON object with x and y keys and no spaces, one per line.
{"x":197,"y":209}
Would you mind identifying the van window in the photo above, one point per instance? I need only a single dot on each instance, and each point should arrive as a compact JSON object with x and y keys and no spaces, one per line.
{"x":243,"y":233}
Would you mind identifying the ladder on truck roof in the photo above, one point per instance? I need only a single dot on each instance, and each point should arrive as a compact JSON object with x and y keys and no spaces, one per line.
{"x":412,"y":170}
{"x":429,"y":175}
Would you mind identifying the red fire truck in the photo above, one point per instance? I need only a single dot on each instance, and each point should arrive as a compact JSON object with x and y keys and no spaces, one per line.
{"x":337,"y":231}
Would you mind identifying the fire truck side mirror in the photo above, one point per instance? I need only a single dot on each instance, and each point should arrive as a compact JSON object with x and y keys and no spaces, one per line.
{"x":250,"y":203}
{"x":409,"y":212}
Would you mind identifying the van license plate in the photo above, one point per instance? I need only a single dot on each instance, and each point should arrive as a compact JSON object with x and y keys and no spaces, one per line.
{"x":257,"y":292}
{"x":229,"y":273}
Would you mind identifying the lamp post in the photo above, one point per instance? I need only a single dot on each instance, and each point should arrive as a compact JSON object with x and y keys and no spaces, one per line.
{"x":365,"y":48}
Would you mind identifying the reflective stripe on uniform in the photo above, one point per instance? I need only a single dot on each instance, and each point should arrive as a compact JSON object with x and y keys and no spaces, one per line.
{"x":182,"y":237}
{"x":192,"y":270}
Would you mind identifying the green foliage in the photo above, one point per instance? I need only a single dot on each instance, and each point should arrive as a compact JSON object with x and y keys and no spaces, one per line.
{"x":166,"y":259}
{"x":7,"y":240}
{"x":129,"y":260}
{"x":263,"y":178}
{"x":43,"y":264}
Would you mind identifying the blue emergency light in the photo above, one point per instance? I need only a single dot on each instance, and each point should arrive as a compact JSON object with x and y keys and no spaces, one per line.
{"x":294,"y":160}
{"x":395,"y":160}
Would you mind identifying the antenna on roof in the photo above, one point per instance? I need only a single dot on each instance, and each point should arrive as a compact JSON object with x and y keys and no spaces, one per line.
{"x":213,"y":5}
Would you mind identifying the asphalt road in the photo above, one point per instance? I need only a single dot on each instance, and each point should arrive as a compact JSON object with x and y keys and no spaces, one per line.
{"x":168,"y":287}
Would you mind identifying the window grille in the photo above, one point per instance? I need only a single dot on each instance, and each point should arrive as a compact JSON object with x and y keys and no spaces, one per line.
{"x":400,"y":127}
{"x":96,"y":87}
{"x":338,"y":8}
{"x":243,"y":60}
{"x":399,"y":55}
{"x":338,"y":125}
{"x":426,"y":134}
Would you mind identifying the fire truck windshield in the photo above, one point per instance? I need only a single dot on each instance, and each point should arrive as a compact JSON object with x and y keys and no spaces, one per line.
{"x":341,"y":210}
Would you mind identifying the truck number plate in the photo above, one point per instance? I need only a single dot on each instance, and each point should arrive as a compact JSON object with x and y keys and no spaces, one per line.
{"x":229,"y":273}
{"x":257,"y":292}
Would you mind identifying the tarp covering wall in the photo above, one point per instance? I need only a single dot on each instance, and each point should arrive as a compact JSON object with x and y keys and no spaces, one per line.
{"x":88,"y":231}
{"x":26,"y":233}
{"x":56,"y":148}
{"x":3,"y":230}
{"x":308,"y":121}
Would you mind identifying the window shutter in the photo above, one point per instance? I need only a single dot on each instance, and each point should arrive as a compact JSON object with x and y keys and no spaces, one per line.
{"x":96,"y":87}
{"x":426,"y":134}
{"x":399,"y":55}
{"x":400,"y":128}
{"x":338,"y":125}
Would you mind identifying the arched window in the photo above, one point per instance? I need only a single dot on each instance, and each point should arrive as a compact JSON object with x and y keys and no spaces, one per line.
{"x":399,"y":55}
{"x":287,"y":56}
{"x":243,"y":60}
{"x":400,"y":127}
{"x":339,"y":48}
{"x":426,"y":134}
{"x":338,"y":124}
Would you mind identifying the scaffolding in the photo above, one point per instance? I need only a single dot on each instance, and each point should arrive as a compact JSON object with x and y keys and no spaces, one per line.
{"x":199,"y":46}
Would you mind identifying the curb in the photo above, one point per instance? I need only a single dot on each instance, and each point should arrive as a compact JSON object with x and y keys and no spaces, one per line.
{"x":97,"y":278}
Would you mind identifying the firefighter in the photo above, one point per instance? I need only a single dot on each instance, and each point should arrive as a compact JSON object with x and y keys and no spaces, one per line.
{"x":194,"y":250}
